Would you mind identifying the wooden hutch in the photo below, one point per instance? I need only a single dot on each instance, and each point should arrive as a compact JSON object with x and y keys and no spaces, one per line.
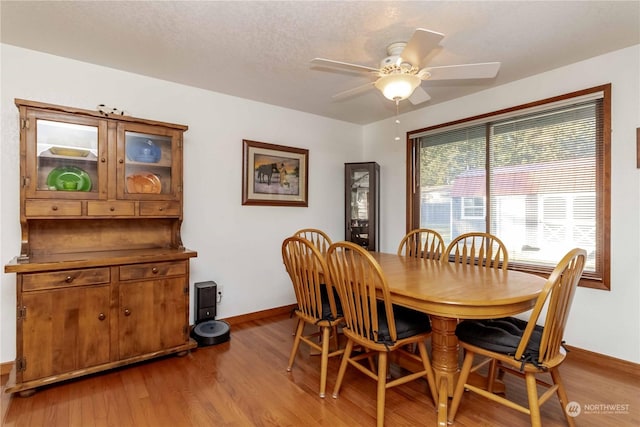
{"x":102,"y":277}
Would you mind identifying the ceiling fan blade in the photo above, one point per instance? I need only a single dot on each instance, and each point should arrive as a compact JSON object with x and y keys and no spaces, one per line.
{"x":421,"y":43}
{"x":486,"y":70}
{"x":351,"y":92}
{"x":419,"y":96}
{"x":342,"y":65}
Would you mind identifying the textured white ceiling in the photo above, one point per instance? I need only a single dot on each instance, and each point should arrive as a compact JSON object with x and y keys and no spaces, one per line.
{"x":261,"y":50}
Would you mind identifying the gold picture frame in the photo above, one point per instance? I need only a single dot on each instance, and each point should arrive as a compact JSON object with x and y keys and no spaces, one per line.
{"x":274,"y":175}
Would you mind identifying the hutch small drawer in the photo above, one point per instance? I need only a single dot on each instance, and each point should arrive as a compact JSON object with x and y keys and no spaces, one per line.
{"x":66,"y":278}
{"x":111,"y":208}
{"x":42,"y":208}
{"x":152,"y":270}
{"x":160,"y":209}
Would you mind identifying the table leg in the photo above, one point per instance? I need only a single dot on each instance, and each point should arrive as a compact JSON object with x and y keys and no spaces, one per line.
{"x":444,"y":351}
{"x":443,"y":402}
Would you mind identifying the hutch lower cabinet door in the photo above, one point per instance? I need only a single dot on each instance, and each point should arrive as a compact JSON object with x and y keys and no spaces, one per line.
{"x":64,"y":330}
{"x":153,"y":315}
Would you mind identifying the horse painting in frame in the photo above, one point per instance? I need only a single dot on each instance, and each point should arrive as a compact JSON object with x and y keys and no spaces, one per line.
{"x":274,"y":175}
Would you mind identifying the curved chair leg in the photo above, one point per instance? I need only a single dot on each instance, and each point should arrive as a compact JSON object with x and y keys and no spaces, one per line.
{"x":296,"y":344}
{"x":335,"y":336}
{"x":491,"y":376}
{"x":457,"y":394}
{"x":534,"y":404}
{"x":422,"y":350}
{"x":562,"y":395}
{"x":324,"y":362}
{"x":372,"y":363}
{"x":382,"y":387}
{"x":343,"y":367}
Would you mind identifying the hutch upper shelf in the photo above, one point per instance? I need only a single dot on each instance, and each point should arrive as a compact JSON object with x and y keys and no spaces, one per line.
{"x":81,"y":164}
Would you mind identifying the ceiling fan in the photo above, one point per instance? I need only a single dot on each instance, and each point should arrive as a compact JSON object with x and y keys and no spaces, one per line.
{"x":401,"y":73}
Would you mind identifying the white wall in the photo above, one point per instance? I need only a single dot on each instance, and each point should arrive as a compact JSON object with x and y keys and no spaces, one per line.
{"x":600,"y":321}
{"x":238,"y":246}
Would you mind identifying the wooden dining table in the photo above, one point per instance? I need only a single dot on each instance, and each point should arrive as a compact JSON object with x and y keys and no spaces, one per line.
{"x":448,"y":292}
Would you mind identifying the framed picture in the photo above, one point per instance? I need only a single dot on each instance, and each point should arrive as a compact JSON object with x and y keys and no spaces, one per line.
{"x":274,"y":175}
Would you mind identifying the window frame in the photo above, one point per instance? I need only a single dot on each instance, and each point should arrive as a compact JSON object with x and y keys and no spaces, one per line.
{"x":464,"y":208}
{"x":600,"y":279}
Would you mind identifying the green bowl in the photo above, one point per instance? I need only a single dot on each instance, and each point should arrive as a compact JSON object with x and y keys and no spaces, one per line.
{"x":69,"y":178}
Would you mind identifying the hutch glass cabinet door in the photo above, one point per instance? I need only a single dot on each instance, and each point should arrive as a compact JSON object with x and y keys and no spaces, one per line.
{"x":69,"y":155}
{"x":362,"y":204}
{"x":149,"y":162}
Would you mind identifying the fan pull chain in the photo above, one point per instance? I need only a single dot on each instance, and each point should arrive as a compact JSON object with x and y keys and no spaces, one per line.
{"x":397,"y":138}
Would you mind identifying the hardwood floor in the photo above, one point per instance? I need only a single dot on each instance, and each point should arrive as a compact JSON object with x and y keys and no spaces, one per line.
{"x":244,"y":382}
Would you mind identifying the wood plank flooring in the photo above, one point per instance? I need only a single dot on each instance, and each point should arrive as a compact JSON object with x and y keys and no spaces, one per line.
{"x":244,"y":382}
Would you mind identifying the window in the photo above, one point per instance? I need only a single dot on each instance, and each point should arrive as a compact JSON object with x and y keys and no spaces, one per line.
{"x":537,"y":176}
{"x":473,"y":208}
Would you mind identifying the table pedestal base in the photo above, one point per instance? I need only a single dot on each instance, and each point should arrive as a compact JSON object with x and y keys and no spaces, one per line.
{"x":444,"y":351}
{"x":444,"y":358}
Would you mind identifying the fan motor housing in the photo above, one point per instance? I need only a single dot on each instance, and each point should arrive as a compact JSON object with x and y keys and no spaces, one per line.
{"x":393,"y":50}
{"x":389,"y":60}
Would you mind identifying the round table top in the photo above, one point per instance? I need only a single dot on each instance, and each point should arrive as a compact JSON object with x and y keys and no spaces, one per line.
{"x":455,"y":290}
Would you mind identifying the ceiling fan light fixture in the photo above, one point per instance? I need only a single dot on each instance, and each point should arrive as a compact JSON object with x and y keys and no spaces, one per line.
{"x":397,"y":87}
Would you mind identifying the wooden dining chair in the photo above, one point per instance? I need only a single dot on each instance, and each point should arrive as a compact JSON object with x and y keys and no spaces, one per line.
{"x":321,"y":241}
{"x":316,"y":303}
{"x":319,"y":238}
{"x":482,"y":249}
{"x":374,"y":324}
{"x":422,"y":243}
{"x":525,"y":348}
{"x":477,"y":248}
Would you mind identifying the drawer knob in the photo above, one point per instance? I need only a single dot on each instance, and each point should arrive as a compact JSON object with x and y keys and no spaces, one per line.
{"x":54,"y":208}
{"x":154,"y":270}
{"x":103,"y":160}
{"x":101,"y":316}
{"x":127,"y":312}
{"x":112,"y":209}
{"x":120,"y":160}
{"x":69,"y":279}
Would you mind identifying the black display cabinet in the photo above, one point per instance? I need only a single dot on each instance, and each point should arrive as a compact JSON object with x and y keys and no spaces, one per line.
{"x":362,"y":204}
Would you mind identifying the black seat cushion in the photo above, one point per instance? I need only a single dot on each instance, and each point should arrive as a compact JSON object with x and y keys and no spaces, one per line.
{"x":326,"y":307}
{"x":408,"y":322}
{"x":500,"y":335}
